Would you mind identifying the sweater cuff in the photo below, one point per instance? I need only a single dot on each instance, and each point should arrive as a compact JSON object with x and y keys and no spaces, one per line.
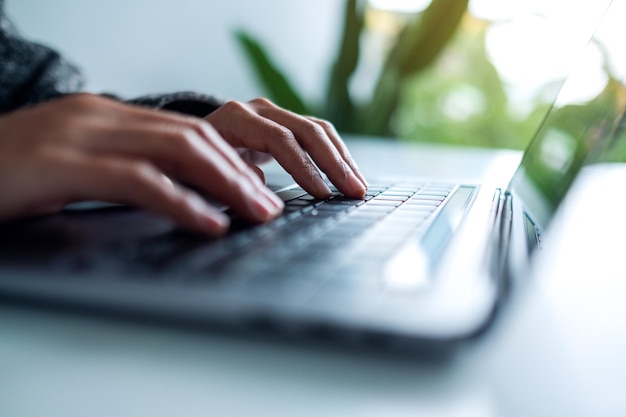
{"x":188,"y":103}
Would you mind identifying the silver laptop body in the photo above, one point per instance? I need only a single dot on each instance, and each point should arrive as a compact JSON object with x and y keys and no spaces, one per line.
{"x":431,"y":268}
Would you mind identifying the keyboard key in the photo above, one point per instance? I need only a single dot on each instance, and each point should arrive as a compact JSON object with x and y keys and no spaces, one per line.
{"x":418,"y":202}
{"x":316,"y":246}
{"x":430,"y":197}
{"x":335,"y":208}
{"x":326,"y":211}
{"x":376,"y":208}
{"x":380,"y":202}
{"x":346,"y":201}
{"x":308,"y":197}
{"x":405,"y":194}
{"x":291,"y":194}
{"x":297,"y":203}
{"x":384,"y":197}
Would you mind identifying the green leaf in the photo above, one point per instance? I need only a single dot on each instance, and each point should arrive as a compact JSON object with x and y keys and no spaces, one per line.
{"x":427,"y":36}
{"x":273,"y":80}
{"x":339,"y":106}
{"x":418,"y":45}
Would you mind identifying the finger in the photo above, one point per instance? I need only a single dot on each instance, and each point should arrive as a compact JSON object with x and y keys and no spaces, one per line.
{"x":140,"y":184}
{"x":138,"y":120}
{"x":254,"y":157}
{"x":212,"y":137}
{"x":183,"y":153}
{"x":193,"y":125}
{"x":181,"y":129}
{"x":288,"y":137}
{"x":258,"y":171}
{"x":334,"y":137}
{"x":266,"y":135}
{"x":247,"y":129}
{"x":314,"y":139}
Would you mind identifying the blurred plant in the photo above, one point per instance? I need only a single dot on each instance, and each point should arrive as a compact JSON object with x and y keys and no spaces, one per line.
{"x":417,"y":46}
{"x":462,"y":100}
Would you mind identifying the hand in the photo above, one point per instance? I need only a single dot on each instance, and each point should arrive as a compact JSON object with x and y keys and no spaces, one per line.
{"x":261,"y":126}
{"x":85,"y":147}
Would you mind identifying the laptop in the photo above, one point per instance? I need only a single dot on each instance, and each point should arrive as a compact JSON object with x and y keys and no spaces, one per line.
{"x":418,"y":261}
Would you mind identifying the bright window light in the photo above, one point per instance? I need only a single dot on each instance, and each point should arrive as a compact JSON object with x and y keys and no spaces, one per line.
{"x":400,"y":6}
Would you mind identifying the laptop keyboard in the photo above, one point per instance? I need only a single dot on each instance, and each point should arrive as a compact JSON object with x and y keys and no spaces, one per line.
{"x":315,"y":245}
{"x":316,"y":248}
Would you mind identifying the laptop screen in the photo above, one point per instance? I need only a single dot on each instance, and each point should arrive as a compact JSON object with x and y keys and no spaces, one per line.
{"x":584,"y":124}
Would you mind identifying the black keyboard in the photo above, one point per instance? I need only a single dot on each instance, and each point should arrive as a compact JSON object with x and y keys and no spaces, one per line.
{"x":330,"y":244}
{"x":312,"y":237}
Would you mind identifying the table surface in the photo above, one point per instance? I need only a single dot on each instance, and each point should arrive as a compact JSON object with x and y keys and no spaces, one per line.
{"x":544,"y":356}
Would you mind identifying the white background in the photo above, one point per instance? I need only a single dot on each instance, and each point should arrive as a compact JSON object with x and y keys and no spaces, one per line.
{"x":141,"y":46}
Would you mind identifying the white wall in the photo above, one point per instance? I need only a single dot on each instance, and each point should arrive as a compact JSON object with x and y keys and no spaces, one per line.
{"x":134,"y":47}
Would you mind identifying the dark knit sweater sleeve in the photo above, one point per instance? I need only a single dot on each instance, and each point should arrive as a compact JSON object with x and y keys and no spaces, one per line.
{"x":185,"y":102}
{"x":31,"y":73}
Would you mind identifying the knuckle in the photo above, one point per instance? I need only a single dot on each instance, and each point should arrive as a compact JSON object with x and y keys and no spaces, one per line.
{"x":179,"y":197}
{"x":240,"y":186}
{"x":193,"y":123}
{"x":184,"y":138}
{"x":77,"y":103}
{"x":84,"y":100}
{"x":343,"y":165}
{"x":242,"y":172}
{"x":200,"y":129}
{"x":350,"y":160}
{"x":141,"y":182}
{"x":262,"y":102}
{"x":281,"y":134}
{"x":235,"y":107}
{"x":81,"y":97}
{"x":251,"y":176}
{"x":311,"y":171}
{"x":140,"y":173}
{"x":314,"y":129}
{"x":324,"y":124}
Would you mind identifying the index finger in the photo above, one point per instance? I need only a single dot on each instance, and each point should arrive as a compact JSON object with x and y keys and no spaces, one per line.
{"x":331,"y":156}
{"x":334,"y":137}
{"x":291,"y":139}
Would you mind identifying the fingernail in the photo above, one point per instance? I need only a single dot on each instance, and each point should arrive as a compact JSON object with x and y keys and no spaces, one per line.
{"x":209,"y":219}
{"x":357,"y":172}
{"x":264,"y":209}
{"x":214,"y":222}
{"x":321,"y":187}
{"x":355,"y":183}
{"x":362,"y":178}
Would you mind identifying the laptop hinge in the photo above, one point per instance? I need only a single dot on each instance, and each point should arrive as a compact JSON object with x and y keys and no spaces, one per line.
{"x":502,"y":217}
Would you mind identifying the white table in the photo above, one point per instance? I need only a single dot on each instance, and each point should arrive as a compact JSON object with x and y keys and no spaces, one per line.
{"x":544,"y":357}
